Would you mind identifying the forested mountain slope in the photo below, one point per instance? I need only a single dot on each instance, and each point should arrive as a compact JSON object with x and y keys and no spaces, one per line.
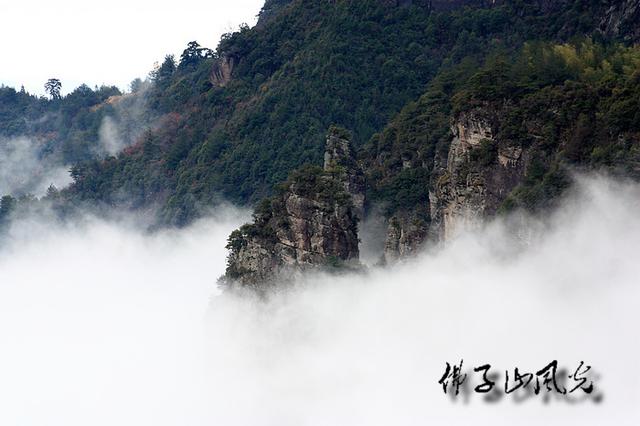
{"x":238,"y":120}
{"x":509,"y":133}
{"x":230,"y":124}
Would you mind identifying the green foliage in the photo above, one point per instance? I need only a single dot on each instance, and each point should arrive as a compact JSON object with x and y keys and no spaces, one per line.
{"x":538,"y":65}
{"x":536,"y":194}
{"x":358,"y":64}
{"x":237,"y":240}
{"x":312,"y":64}
{"x":162,"y":75}
{"x":340,"y":132}
{"x":485,"y":155}
{"x":68,"y":127}
{"x":193,"y":55}
{"x":336,"y":265}
{"x":572,"y":106}
{"x":410,"y":187}
{"x":17,"y":109}
{"x":399,"y":161}
{"x":313,"y":182}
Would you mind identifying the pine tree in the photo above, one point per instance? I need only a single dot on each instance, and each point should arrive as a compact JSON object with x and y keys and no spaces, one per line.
{"x":53,"y":86}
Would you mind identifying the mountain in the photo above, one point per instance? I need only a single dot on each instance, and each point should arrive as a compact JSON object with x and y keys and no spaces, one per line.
{"x":312,"y":221}
{"x":455,"y":109}
{"x":239,"y":121}
{"x":508,"y":134}
{"x":42,"y":139}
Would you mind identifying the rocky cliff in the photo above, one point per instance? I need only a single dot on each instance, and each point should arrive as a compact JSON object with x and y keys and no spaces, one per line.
{"x":312,"y":223}
{"x":406,"y":233}
{"x":478,"y":174}
{"x":510,"y":136}
{"x":222,"y":70}
{"x":467,"y":185}
{"x":340,"y":161}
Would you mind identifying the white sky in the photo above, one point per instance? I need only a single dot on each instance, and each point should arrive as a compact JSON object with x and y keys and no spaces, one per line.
{"x":107,"y":42}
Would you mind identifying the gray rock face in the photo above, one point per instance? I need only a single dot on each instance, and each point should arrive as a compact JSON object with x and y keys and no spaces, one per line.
{"x":468,"y":185}
{"x":478,"y":175}
{"x":340,"y":159}
{"x":406,"y":233}
{"x":222,"y":71}
{"x":312,"y":223}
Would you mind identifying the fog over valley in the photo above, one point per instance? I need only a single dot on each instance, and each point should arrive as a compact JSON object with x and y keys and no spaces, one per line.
{"x":319,"y":213}
{"x":105,"y":324}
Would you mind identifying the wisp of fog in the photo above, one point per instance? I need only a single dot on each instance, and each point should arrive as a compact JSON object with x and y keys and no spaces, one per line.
{"x":23,"y":171}
{"x":103,"y":324}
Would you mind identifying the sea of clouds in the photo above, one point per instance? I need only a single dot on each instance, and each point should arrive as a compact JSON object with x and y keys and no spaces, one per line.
{"x":104,"y":324}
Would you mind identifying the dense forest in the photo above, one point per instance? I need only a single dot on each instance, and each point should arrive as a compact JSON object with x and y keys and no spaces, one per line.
{"x":233,"y":122}
{"x":68,"y":126}
{"x":575,"y":106}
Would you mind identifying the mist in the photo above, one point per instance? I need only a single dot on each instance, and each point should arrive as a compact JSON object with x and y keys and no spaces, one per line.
{"x":104,"y":324}
{"x":129,"y":119}
{"x":24,"y":171}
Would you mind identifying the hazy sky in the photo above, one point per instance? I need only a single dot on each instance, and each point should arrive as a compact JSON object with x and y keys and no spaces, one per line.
{"x":105,"y":42}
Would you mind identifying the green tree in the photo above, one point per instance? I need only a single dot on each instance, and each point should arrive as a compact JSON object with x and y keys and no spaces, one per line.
{"x":136,"y":85}
{"x":164,"y":71}
{"x":53,"y":86}
{"x":191,"y":55}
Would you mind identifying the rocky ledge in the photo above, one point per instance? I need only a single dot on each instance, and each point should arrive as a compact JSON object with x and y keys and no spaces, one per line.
{"x":310,"y":224}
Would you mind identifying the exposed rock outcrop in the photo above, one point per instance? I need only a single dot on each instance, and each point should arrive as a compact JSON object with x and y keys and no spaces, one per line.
{"x":406,"y":233}
{"x":468,"y":184}
{"x":340,"y":159}
{"x":311,"y":223}
{"x":479,"y":173}
{"x":222,"y":70}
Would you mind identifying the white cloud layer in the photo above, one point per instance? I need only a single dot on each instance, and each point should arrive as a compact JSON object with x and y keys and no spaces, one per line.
{"x":23,"y":171}
{"x":106,"y":43}
{"x":102,"y":325}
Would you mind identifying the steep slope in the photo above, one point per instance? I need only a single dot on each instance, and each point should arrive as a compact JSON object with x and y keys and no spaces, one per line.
{"x":509,"y":134}
{"x":41,"y":139}
{"x":311,"y":223}
{"x":73,"y":127}
{"x":241,"y":119}
{"x":483,"y":139}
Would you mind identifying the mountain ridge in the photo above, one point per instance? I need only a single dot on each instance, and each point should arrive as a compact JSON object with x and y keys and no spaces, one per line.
{"x":232,"y":123}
